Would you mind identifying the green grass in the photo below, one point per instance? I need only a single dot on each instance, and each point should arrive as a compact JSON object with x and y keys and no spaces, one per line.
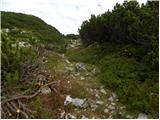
{"x":52,"y":61}
{"x":88,"y":55}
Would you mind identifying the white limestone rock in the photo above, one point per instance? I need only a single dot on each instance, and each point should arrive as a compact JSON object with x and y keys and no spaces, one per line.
{"x":103,"y":91}
{"x":111,"y":107}
{"x":99,"y":102}
{"x":82,"y":78}
{"x":76,"y":102}
{"x":106,"y":110}
{"x":70,"y":116}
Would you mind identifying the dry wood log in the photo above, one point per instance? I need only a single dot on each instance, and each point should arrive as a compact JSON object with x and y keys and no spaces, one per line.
{"x":19,"y":111}
{"x":24,"y":108}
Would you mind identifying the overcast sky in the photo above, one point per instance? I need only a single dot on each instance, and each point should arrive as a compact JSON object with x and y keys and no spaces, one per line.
{"x":65,"y":15}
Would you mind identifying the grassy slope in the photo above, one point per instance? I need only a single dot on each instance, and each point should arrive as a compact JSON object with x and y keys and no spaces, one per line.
{"x":134,"y":82}
{"x":32,"y":30}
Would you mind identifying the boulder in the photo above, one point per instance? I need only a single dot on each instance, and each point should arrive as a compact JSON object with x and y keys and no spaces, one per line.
{"x":76,"y":102}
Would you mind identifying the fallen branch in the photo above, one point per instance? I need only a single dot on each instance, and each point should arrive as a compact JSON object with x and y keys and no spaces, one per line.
{"x":19,"y":111}
{"x":27,"y":96}
{"x":24,"y":108}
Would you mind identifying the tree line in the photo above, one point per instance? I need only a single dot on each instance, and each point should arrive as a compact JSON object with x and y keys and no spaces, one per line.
{"x":127,"y":23}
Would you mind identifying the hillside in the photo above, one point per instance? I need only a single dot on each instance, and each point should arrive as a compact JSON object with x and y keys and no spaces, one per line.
{"x":39,"y":28}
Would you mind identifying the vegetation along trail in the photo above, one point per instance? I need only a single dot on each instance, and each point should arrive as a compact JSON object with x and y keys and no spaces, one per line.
{"x":109,"y":70}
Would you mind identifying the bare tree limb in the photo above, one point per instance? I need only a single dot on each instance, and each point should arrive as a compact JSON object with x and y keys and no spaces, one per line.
{"x":24,"y":108}
{"x":19,"y":111}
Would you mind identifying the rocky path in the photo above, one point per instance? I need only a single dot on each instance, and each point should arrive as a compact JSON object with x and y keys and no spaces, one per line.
{"x":83,"y":96}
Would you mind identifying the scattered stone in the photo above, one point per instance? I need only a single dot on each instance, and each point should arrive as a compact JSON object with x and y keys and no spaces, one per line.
{"x":14,"y":45}
{"x":86,"y":74}
{"x":97,"y":95}
{"x":67,"y":61}
{"x":114,"y":95}
{"x":71,"y":65}
{"x":129,"y":117}
{"x":83,"y":117}
{"x":120,"y":112}
{"x":62,"y":55}
{"x":79,"y":102}
{"x":82,"y":78}
{"x":45,"y":90}
{"x":142,"y":116}
{"x":80,"y":67}
{"x":111,"y":107}
{"x":99,"y":102}
{"x":41,"y":78}
{"x":73,"y":76}
{"x":110,"y":98}
{"x":24,"y":44}
{"x":106,"y":110}
{"x":6,"y":30}
{"x":69,"y":68}
{"x":67,"y":100}
{"x":62,"y":114}
{"x":113,"y":103}
{"x":68,"y":81}
{"x":94,"y":107}
{"x":122,"y":107}
{"x":112,"y":112}
{"x":72,"y":46}
{"x":77,"y":74}
{"x":95,"y":71}
{"x":103,"y":91}
{"x":117,"y":99}
{"x":110,"y":117}
{"x":23,"y":32}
